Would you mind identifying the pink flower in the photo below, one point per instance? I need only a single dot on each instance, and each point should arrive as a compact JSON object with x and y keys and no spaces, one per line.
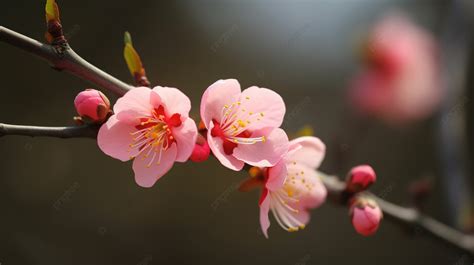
{"x":152,"y":127}
{"x":293,"y":187}
{"x":366,"y":216}
{"x":243,"y":126}
{"x":402,"y":82}
{"x":92,"y":104}
{"x":360,"y":178}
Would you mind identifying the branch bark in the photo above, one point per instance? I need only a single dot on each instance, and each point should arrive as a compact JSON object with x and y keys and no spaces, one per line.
{"x":83,"y":131}
{"x":409,"y":217}
{"x":63,"y":58}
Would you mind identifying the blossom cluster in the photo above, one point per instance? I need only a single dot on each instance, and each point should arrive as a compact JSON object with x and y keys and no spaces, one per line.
{"x":152,"y":127}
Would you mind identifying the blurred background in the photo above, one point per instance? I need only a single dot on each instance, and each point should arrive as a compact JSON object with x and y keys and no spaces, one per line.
{"x":65,"y":202}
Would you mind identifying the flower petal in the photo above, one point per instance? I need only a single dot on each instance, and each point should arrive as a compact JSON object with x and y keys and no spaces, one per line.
{"x":114,"y":138}
{"x":311,"y":153}
{"x":216,"y":96}
{"x":312,"y":191}
{"x":264,"y":154}
{"x":136,"y":100}
{"x":262,"y":107}
{"x":174,"y":100}
{"x":185,"y":136}
{"x":216,"y":145}
{"x":264,"y":220}
{"x":145,"y":175}
{"x":317,"y":195}
{"x":276,"y":176}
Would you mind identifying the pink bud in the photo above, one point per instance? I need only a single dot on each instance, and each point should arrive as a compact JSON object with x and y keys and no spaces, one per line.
{"x":360,"y":178}
{"x":366,"y":216}
{"x":201,"y":150}
{"x":92,"y":104}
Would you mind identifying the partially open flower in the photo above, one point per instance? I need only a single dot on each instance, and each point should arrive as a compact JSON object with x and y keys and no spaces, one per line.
{"x":366,"y":215}
{"x":92,"y":104}
{"x":152,"y":127}
{"x":360,"y":178}
{"x":243,"y":125}
{"x":293,"y":186}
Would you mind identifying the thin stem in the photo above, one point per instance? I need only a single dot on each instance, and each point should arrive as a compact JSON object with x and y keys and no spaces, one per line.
{"x":410,"y":217}
{"x":83,"y":131}
{"x":63,"y":58}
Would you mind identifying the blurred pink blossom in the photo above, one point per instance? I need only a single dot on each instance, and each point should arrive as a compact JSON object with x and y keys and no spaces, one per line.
{"x":402,"y":80}
{"x":243,"y":125}
{"x":152,"y":127}
{"x":293,"y":187}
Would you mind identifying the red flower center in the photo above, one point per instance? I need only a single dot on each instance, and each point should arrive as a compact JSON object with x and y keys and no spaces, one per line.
{"x":227,"y":143}
{"x":158,"y":129}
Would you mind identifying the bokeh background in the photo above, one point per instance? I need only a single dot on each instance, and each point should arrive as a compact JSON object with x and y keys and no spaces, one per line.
{"x":305,"y":50}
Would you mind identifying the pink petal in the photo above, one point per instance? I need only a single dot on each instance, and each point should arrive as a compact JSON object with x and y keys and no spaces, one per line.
{"x":215,"y":143}
{"x":185,"y":136}
{"x":311,"y":153}
{"x":311,"y":198}
{"x":303,"y":214}
{"x":317,"y":196}
{"x":264,"y":220}
{"x":147,"y":176}
{"x":264,"y":154}
{"x":276,"y":176}
{"x":262,"y":106}
{"x":366,"y":221}
{"x":136,"y":102}
{"x":115,"y":137}
{"x":216,"y":96}
{"x":174,"y":100}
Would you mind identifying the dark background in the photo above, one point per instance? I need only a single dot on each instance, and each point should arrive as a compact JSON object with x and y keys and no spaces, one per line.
{"x":305,"y":50}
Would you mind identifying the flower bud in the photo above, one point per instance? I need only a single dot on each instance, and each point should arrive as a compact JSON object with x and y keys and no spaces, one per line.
{"x":365,"y":216}
{"x":360,"y":178}
{"x":92,"y":104}
{"x":201,"y":150}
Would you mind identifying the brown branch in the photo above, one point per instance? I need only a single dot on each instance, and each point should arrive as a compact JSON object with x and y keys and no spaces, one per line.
{"x":63,"y":58}
{"x":83,"y":131}
{"x":405,"y":216}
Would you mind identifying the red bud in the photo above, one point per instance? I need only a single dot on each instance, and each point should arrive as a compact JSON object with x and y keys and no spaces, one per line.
{"x":201,"y":150}
{"x":360,"y":178}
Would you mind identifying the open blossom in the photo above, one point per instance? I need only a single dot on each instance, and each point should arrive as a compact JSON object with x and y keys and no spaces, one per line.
{"x":293,"y":187}
{"x":402,"y":82}
{"x":243,"y":125}
{"x":152,"y":127}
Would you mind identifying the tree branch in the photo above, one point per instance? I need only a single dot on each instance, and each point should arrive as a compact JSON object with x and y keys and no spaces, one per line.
{"x":63,"y":58}
{"x":409,"y":217}
{"x":83,"y":131}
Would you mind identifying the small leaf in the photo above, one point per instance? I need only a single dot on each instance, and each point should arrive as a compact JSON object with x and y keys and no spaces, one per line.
{"x":127,"y":39}
{"x":52,"y":10}
{"x":132,"y":58}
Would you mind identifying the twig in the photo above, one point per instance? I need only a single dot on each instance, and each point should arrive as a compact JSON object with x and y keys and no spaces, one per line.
{"x":410,"y":217}
{"x":64,"y":59}
{"x":83,"y":131}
